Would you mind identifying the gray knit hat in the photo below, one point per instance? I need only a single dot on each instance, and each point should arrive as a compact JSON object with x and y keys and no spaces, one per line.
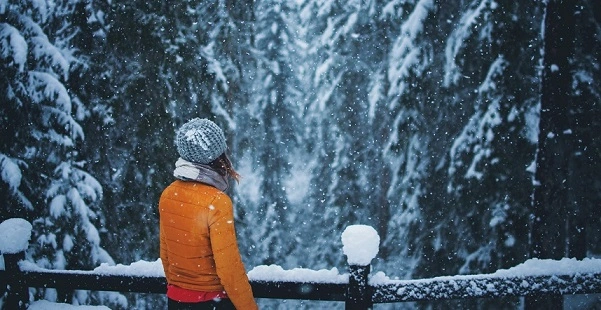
{"x":200,"y":141}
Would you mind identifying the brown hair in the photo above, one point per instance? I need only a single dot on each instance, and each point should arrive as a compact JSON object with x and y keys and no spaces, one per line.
{"x":223,"y":165}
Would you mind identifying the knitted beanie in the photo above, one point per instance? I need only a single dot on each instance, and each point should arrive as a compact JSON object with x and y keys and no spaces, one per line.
{"x":200,"y":141}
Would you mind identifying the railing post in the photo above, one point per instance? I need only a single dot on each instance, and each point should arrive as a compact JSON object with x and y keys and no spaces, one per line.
{"x":360,"y":244}
{"x":14,"y":240}
{"x":358,"y":292}
{"x":17,"y":296}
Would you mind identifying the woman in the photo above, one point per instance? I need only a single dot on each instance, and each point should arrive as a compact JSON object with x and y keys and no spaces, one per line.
{"x":199,"y":251}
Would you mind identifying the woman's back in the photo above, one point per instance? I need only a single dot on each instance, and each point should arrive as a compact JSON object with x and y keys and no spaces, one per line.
{"x":186,"y":208}
{"x":199,"y":250}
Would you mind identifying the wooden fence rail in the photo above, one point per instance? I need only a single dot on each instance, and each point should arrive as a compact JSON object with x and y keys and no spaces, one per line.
{"x":361,"y":291}
{"x":358,"y":293}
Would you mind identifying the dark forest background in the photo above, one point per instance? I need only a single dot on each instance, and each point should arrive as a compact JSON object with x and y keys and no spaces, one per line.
{"x":465,"y":132}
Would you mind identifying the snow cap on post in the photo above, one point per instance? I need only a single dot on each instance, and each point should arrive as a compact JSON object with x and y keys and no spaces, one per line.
{"x":360,"y":244}
{"x":200,"y":141}
{"x":14,"y":236}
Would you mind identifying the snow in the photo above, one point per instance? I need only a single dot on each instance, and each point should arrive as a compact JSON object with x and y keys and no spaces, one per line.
{"x":321,"y":70}
{"x":361,"y":244}
{"x":11,"y":174}
{"x":277,"y":273}
{"x":259,"y":273}
{"x":68,"y":243}
{"x":494,"y":71}
{"x":566,"y":276}
{"x":457,"y":39}
{"x":405,"y":54}
{"x":541,"y":267}
{"x":140,"y":268}
{"x":47,"y":305}
{"x":45,"y":51}
{"x":298,"y":183}
{"x":14,"y":235}
{"x":43,"y":87}
{"x":375,"y":95}
{"x":215,"y":67}
{"x":530,"y":268}
{"x":17,"y":46}
{"x":57,"y":206}
{"x":404,"y":191}
{"x":52,"y":89}
{"x":532,"y":117}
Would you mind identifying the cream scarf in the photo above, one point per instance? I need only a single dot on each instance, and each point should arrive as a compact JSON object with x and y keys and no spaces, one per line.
{"x":189,"y":171}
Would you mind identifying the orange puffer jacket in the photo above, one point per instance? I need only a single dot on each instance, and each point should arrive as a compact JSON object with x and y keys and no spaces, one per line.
{"x":198,"y":242}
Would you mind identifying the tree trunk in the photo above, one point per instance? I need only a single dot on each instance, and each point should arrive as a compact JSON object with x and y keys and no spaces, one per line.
{"x":550,"y":224}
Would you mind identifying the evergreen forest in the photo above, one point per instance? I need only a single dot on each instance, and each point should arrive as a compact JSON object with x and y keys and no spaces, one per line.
{"x":465,"y":132}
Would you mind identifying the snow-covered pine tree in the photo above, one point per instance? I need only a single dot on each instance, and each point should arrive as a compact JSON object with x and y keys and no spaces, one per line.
{"x":133,"y":154}
{"x":272,"y":118}
{"x":158,"y":70}
{"x":488,"y":175}
{"x":345,"y":123}
{"x":44,"y":178}
{"x":462,"y":136}
{"x":411,"y":97}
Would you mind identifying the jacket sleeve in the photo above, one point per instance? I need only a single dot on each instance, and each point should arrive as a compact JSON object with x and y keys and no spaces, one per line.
{"x":230,"y":268}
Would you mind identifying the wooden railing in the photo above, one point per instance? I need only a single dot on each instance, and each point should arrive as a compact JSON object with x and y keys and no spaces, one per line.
{"x":361,"y":291}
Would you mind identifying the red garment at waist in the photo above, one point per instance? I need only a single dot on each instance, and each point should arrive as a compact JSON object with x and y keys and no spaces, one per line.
{"x":185,"y":295}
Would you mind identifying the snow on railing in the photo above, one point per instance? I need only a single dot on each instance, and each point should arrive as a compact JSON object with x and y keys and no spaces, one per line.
{"x":14,"y":236}
{"x":534,"y":277}
{"x":358,"y":289}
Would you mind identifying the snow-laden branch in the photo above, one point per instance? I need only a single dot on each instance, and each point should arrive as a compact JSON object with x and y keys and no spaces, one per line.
{"x":405,"y":53}
{"x":457,"y":39}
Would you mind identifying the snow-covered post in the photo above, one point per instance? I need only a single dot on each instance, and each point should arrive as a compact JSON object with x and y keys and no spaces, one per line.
{"x":360,"y":243}
{"x":14,"y":240}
